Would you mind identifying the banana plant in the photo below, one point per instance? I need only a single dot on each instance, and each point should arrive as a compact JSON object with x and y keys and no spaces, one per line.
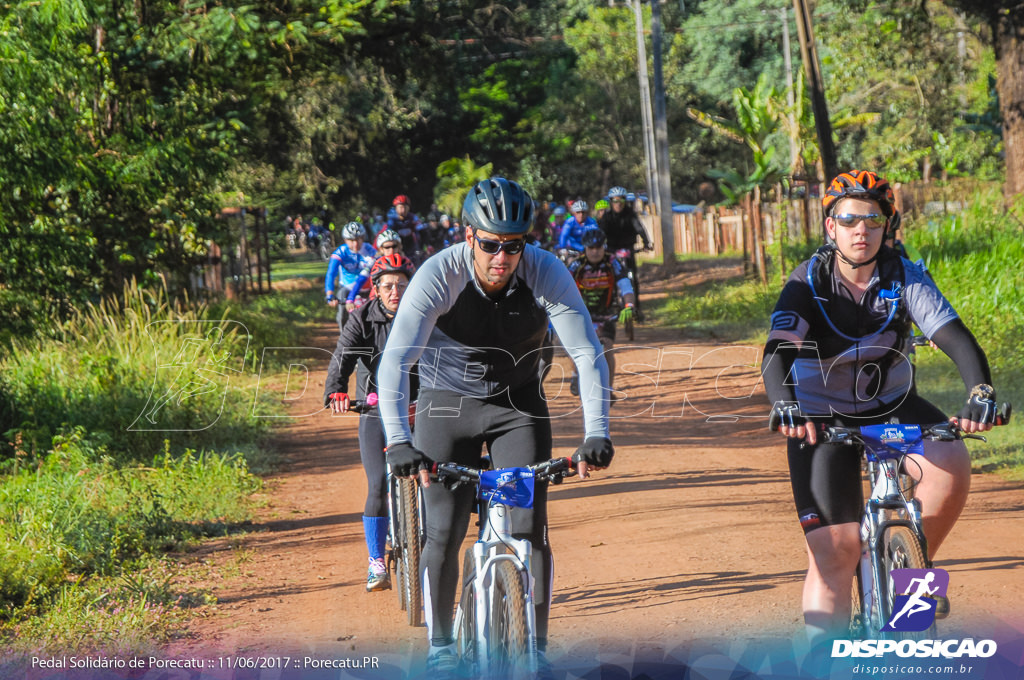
{"x":455,"y":177}
{"x":758,"y":117}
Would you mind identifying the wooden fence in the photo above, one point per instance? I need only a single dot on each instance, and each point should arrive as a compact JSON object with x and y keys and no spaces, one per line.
{"x":749,"y":230}
{"x":238,"y":270}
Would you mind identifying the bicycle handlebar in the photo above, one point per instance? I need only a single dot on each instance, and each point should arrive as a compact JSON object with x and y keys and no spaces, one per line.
{"x":361,"y":406}
{"x":549,"y":470}
{"x":945,"y":431}
{"x":364,"y":405}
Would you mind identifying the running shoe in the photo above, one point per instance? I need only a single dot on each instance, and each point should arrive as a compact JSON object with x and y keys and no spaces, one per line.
{"x":377,"y":576}
{"x":442,"y":664}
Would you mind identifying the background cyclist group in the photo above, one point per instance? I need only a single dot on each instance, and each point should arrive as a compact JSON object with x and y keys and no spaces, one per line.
{"x":471,"y":324}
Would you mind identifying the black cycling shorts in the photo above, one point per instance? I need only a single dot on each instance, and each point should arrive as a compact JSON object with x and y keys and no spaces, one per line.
{"x":826,"y":478}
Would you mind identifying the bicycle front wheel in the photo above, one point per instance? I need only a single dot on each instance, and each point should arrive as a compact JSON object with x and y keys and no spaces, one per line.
{"x":902,"y":550}
{"x":857,"y":620}
{"x":410,"y":557}
{"x":510,"y":637}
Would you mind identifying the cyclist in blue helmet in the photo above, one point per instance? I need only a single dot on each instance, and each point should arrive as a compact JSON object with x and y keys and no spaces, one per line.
{"x":485,"y":304}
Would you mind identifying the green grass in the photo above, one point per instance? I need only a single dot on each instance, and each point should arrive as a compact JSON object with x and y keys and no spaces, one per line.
{"x":90,"y":501}
{"x":735,"y":310}
{"x":298,"y":265}
{"x":77,"y":519}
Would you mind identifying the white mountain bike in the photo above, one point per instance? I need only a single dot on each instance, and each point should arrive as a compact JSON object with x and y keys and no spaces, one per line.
{"x":495,"y":623}
{"x":891,"y":533}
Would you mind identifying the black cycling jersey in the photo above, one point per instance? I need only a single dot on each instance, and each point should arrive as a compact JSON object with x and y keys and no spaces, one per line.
{"x":361,"y":342}
{"x":478,"y":346}
{"x":849,"y":355}
{"x":600,"y":284}
{"x":622,"y":228}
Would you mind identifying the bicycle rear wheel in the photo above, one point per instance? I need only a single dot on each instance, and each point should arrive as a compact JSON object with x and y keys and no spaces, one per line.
{"x":396,"y":534}
{"x":902,"y":550}
{"x":510,"y":637}
{"x":410,"y":551}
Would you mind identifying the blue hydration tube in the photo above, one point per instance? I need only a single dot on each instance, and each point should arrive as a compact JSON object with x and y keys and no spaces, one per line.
{"x":895,"y":294}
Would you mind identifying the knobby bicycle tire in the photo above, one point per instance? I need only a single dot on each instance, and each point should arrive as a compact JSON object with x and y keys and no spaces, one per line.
{"x":465,"y":617}
{"x":397,"y":532}
{"x":410,"y":553}
{"x":510,"y":637}
{"x":858,"y":626}
{"x":902,"y":550}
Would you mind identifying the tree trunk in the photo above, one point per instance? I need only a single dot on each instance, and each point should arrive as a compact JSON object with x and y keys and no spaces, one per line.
{"x":745,"y":231}
{"x":757,"y":229}
{"x":1008,"y":29}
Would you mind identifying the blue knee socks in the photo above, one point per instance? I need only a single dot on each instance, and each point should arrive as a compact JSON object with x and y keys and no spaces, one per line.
{"x":376,"y":531}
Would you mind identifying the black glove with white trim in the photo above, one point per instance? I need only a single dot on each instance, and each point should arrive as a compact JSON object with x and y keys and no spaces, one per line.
{"x":981,"y":406}
{"x":596,"y":451}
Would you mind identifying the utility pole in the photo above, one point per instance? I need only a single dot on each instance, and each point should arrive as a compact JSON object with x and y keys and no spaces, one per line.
{"x":812,"y":68}
{"x":794,"y":143}
{"x":668,"y":239}
{"x":645,"y":104}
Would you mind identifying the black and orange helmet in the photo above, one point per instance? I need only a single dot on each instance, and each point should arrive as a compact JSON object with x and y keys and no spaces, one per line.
{"x":393,"y":263}
{"x":860,"y":184}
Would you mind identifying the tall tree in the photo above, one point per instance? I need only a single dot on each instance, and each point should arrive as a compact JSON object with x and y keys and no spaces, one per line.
{"x":1006,"y":21}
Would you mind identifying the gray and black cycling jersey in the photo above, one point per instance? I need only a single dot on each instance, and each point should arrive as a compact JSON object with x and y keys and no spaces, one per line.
{"x":869,"y":367}
{"x":481,"y":346}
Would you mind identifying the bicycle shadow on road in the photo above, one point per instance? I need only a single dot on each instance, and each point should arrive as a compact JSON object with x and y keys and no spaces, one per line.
{"x":615,"y":596}
{"x":668,"y":481}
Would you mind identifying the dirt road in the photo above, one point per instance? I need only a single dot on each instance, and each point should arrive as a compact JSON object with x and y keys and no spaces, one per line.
{"x":688,"y":542}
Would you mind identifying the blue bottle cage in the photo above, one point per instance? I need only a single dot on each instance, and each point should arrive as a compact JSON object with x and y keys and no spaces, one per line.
{"x":895,"y":294}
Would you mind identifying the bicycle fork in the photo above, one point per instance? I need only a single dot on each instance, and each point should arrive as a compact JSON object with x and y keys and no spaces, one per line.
{"x":486,"y":558}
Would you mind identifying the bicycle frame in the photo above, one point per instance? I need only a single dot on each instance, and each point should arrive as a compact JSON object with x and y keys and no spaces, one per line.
{"x":494,"y":548}
{"x":887,"y":507}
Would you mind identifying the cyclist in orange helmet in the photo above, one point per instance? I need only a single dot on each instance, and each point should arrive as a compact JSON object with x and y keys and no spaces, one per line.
{"x":837,"y":354}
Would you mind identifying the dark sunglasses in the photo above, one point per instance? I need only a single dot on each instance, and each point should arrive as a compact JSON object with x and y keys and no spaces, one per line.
{"x":871,"y":221}
{"x":512,"y":247}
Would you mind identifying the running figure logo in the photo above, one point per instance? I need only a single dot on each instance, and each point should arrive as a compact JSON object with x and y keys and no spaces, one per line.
{"x":914,"y":602}
{"x":195,"y":381}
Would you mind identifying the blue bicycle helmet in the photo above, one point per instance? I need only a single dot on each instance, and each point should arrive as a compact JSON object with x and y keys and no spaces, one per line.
{"x":499,"y":206}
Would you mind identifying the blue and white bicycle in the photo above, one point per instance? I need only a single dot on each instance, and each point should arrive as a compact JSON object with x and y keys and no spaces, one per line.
{"x":891,"y":532}
{"x":495,"y":623}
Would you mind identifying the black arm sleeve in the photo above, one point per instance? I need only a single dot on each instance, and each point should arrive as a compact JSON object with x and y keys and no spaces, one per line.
{"x":776,"y":364}
{"x":352,"y":346}
{"x":959,"y":345}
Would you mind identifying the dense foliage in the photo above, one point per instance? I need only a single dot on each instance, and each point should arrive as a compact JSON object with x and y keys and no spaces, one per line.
{"x":125,"y":127}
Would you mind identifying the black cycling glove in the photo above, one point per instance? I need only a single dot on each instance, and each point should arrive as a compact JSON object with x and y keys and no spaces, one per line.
{"x":785,"y":413}
{"x":406,"y":460}
{"x":981,"y":406}
{"x":596,"y":451}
